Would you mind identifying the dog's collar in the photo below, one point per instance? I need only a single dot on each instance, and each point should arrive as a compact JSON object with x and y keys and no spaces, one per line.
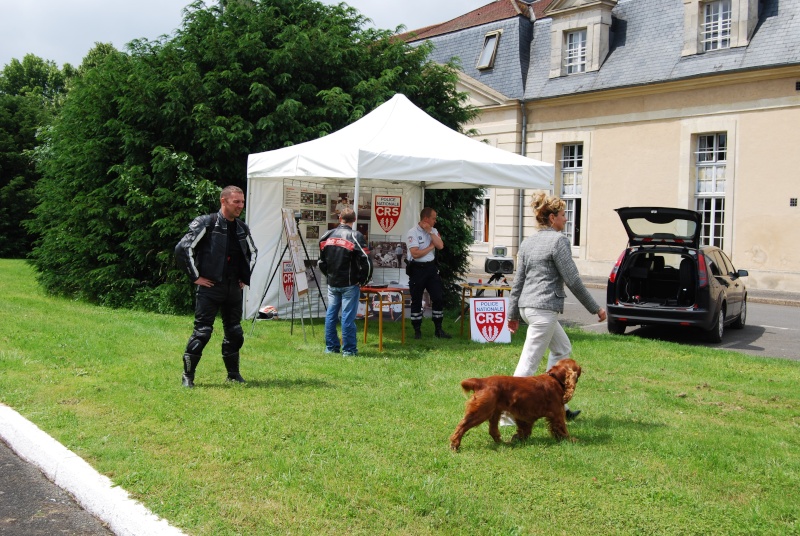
{"x":556,"y":379}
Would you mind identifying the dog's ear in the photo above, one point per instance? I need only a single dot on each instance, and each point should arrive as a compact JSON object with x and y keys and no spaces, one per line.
{"x":571,"y":374}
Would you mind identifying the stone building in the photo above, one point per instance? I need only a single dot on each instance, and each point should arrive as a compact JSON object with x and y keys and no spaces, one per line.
{"x":684,"y":103}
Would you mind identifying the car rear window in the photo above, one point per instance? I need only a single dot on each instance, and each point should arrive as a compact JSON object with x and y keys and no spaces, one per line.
{"x":642,"y":228}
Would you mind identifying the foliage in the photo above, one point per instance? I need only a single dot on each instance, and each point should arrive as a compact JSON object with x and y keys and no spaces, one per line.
{"x":31,"y":91}
{"x":672,"y":440}
{"x":147,"y":137}
{"x":453,"y":207}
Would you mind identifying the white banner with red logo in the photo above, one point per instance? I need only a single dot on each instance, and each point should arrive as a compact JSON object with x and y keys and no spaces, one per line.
{"x":288,"y":279}
{"x":488,"y":320}
{"x":386,"y":212}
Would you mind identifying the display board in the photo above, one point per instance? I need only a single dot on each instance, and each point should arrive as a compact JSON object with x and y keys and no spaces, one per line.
{"x":295,"y":251}
{"x":488,"y":320}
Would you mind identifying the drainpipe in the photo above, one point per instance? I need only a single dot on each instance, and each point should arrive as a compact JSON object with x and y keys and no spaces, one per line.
{"x":521,"y":192}
{"x":524,"y":152}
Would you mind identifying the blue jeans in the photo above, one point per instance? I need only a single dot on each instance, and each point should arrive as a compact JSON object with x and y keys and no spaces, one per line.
{"x":346,"y":299}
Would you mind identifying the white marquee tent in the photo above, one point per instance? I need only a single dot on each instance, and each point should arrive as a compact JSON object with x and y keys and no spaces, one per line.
{"x":395,"y":149}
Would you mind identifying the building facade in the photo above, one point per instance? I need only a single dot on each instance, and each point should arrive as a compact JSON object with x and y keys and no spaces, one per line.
{"x":684,"y":103}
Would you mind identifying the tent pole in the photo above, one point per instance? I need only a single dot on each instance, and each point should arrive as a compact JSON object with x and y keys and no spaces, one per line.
{"x":355,"y":194}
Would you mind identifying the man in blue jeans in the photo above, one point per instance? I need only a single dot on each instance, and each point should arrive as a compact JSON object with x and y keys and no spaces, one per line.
{"x":344,"y":260}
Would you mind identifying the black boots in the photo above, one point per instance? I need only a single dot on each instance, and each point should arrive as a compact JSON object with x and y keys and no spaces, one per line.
{"x":232,"y":365}
{"x":439,"y":332}
{"x":190,"y":362}
{"x":417,"y":325}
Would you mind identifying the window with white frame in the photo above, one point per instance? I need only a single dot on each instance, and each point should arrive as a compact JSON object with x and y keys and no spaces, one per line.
{"x":711,"y":166}
{"x":572,"y":189}
{"x":716,"y":30}
{"x":489,"y":51}
{"x":480,"y":222}
{"x":575,"y":52}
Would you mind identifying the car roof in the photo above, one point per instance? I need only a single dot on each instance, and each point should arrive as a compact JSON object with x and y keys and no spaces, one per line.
{"x":661,"y":225}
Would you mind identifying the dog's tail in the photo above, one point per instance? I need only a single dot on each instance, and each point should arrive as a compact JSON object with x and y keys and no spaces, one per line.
{"x":471,"y":384}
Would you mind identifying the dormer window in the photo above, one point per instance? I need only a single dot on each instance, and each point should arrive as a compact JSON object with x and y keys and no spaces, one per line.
{"x":575,"y":52}
{"x":580,"y":35}
{"x":490,"y":41}
{"x":717,"y":25}
{"x":710,"y":25}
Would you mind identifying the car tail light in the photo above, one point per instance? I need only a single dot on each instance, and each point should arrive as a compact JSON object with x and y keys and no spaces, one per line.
{"x":702,"y":271}
{"x":612,"y":277}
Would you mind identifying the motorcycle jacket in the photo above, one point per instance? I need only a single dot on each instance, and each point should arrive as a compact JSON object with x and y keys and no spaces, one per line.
{"x":202,"y":252}
{"x":344,"y":257}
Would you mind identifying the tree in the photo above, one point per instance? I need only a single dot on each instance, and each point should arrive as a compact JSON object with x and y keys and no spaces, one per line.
{"x":146,"y":139}
{"x":30,"y":94}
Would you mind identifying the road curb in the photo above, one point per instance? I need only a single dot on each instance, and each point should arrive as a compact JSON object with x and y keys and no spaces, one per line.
{"x":93,"y":491}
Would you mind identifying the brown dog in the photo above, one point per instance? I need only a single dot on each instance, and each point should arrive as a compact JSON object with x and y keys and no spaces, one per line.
{"x":527,"y":399}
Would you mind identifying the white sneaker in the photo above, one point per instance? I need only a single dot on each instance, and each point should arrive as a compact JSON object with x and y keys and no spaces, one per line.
{"x":507,"y":420}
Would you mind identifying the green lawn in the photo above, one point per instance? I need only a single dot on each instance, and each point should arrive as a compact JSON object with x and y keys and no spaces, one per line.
{"x":672,"y":439}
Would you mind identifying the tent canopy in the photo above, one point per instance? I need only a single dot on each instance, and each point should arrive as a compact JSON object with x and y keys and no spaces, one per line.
{"x":399,"y":142}
{"x":397,"y":149}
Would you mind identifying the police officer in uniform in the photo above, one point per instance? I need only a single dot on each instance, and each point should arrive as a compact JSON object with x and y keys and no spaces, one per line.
{"x":423,"y":274}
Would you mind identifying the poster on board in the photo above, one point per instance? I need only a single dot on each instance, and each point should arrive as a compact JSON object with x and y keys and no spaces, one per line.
{"x":287,"y":271}
{"x":488,"y":320}
{"x":296,"y":255}
{"x":387,"y":212}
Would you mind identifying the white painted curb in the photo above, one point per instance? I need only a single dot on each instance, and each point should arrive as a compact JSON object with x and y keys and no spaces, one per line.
{"x":93,"y":491}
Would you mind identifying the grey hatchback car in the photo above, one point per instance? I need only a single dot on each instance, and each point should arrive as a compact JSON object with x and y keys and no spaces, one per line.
{"x":664,"y":276}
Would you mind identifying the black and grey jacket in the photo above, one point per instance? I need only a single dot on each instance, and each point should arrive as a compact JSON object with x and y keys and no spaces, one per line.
{"x":202,"y":252}
{"x":344,"y":257}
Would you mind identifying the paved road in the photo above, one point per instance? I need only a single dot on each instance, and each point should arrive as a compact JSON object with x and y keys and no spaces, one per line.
{"x":31,"y":505}
{"x":771,"y":330}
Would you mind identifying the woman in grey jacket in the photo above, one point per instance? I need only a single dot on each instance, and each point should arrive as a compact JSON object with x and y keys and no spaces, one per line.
{"x":544,"y":264}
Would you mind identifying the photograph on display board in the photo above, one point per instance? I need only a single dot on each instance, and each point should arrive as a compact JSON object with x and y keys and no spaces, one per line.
{"x":312,"y":231}
{"x":363,"y":228}
{"x":307,"y":215}
{"x":364,"y":205}
{"x":388,"y":254}
{"x":319,"y":215}
{"x":320,"y":199}
{"x":392,"y":306}
{"x":340,"y":202}
{"x":312,"y":272}
{"x":307,"y":198}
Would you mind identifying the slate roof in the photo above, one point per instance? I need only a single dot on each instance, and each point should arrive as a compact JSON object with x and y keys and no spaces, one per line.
{"x":645,"y":49}
{"x":491,"y":12}
{"x":512,"y":59}
{"x":647,"y":44}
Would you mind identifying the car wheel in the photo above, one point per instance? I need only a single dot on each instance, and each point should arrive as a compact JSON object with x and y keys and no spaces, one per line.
{"x":715,"y":333}
{"x":742,"y":318}
{"x":615,"y":327}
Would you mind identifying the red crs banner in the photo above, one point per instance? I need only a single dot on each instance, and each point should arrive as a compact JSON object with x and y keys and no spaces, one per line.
{"x":288,"y":279}
{"x":488,"y":320}
{"x":387,"y":210}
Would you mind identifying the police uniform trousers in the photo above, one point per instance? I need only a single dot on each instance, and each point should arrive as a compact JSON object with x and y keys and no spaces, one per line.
{"x":424,"y":276}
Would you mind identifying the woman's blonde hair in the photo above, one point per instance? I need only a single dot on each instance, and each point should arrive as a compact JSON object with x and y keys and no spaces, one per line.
{"x":543,"y":205}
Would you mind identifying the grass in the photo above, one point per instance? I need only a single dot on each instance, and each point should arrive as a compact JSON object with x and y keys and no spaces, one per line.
{"x":672,"y":440}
